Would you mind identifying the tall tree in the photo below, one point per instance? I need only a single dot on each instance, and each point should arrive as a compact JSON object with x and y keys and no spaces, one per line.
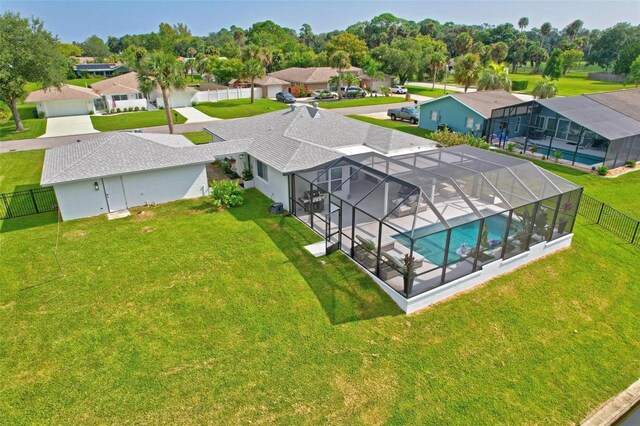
{"x":537,"y":54}
{"x":545,"y":30}
{"x":466,"y":70}
{"x":554,"y":66}
{"x":94,"y":46}
{"x":350,"y":79}
{"x":523,"y":23}
{"x":252,"y":69}
{"x":545,"y":88}
{"x":28,"y":54}
{"x":403,"y":58}
{"x":634,"y":73}
{"x":437,"y":61}
{"x":372,"y":70}
{"x":499,"y":51}
{"x":161,"y":69}
{"x":350,"y":43}
{"x":306,"y":35}
{"x":573,"y":29}
{"x":570,"y":58}
{"x":463,"y":43}
{"x":494,"y":77}
{"x":340,"y":61}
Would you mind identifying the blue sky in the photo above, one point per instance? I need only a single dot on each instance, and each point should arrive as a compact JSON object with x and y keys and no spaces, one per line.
{"x":76,"y":20}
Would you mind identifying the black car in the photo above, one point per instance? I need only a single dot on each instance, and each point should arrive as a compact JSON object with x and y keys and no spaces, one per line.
{"x":285,"y":97}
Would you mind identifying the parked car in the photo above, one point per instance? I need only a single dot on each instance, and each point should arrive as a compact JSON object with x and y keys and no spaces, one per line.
{"x":404,"y":113}
{"x":398,"y":89}
{"x":285,"y":97}
{"x":355,"y":92}
{"x":324,"y":94}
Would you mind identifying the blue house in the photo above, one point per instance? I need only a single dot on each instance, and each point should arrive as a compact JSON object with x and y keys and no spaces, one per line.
{"x":464,"y":112}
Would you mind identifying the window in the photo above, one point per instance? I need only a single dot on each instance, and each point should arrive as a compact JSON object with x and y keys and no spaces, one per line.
{"x":262,"y":170}
{"x":434,"y":115}
{"x":119,"y":97}
{"x":469,"y":123}
{"x":330,"y":181}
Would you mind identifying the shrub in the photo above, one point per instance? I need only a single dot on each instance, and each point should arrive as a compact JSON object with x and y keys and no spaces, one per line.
{"x":136,"y":109}
{"x":225,"y":167}
{"x":602,"y":170}
{"x":519,"y":85}
{"x":298,"y":91}
{"x":448,"y":138}
{"x":557,"y":154}
{"x":511,"y":146}
{"x":161,"y":107}
{"x":41,"y":114}
{"x":194,"y":103}
{"x":247,"y":174}
{"x":385,"y":90}
{"x":118,"y":110}
{"x":226,"y":193}
{"x":91,"y":112}
{"x":143,"y":108}
{"x":533,"y":149}
{"x":630,"y":164}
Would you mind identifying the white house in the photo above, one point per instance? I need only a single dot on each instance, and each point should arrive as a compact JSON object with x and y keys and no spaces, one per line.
{"x":65,"y":100}
{"x":125,"y":170}
{"x":122,"y":91}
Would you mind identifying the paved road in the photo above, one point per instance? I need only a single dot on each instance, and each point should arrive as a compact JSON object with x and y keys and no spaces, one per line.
{"x":44,"y":143}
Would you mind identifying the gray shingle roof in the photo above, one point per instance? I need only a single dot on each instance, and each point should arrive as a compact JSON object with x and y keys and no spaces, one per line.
{"x":294,"y":140}
{"x":124,"y":153}
{"x":626,"y":101}
{"x":63,"y":93}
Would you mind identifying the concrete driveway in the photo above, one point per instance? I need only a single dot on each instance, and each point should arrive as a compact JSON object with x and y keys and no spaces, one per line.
{"x":194,"y":115}
{"x":67,"y":126}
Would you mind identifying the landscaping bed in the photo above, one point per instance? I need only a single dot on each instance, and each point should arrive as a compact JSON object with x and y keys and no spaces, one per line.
{"x":237,"y":108}
{"x":134,"y":120}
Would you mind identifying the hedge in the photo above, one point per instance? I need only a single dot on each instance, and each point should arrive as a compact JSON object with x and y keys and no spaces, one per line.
{"x":519,"y":84}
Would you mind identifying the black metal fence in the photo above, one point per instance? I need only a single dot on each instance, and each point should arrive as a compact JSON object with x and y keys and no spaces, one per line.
{"x":25,"y":203}
{"x":610,"y":219}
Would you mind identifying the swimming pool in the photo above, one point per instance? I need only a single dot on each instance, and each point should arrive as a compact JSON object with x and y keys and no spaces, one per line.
{"x":432,"y":247}
{"x":568,"y":155}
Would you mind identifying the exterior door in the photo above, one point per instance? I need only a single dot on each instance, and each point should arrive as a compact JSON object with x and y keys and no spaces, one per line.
{"x":333,"y":226}
{"x":114,"y":191}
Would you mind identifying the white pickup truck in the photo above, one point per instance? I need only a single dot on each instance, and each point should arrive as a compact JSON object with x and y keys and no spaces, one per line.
{"x":404,"y":113}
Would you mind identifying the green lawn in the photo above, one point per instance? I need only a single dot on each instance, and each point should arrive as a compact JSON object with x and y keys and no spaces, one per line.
{"x":237,"y":108}
{"x":396,"y":125}
{"x":349,"y":103}
{"x":20,"y":170}
{"x":233,"y":320}
{"x":426,"y":91}
{"x":134,"y":120}
{"x":574,"y":83}
{"x":33,"y":127}
{"x":198,"y":137}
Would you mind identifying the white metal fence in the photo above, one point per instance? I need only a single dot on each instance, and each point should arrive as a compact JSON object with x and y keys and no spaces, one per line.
{"x":132,"y":103}
{"x":224,"y":94}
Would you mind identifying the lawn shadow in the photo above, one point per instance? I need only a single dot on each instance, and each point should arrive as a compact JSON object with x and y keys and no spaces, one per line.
{"x":345,"y":293}
{"x":26,"y":222}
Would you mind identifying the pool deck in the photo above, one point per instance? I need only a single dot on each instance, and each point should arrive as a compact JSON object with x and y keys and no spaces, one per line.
{"x":616,"y":408}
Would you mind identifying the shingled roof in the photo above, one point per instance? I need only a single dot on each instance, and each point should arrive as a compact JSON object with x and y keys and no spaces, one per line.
{"x":66,"y":92}
{"x":482,"y":102}
{"x":119,"y":85}
{"x":304,"y":137}
{"x":123,"y":153}
{"x":310,"y":75}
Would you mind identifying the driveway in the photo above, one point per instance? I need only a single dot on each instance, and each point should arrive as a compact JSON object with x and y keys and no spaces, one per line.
{"x":194,"y":115}
{"x":68,"y":126}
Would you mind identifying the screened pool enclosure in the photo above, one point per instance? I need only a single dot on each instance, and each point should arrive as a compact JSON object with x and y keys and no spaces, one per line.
{"x":422,"y":220}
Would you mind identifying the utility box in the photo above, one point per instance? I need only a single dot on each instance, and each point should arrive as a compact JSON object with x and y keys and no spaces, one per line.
{"x":276,"y":208}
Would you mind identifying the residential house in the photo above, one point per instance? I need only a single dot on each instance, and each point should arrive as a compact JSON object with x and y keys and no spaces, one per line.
{"x":105,"y":69}
{"x":65,"y":100}
{"x":268,"y":85}
{"x":464,"y":112}
{"x":591,"y":130}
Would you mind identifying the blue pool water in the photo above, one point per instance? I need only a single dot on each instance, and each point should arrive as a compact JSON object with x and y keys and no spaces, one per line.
{"x":432,"y":247}
{"x":568,"y":155}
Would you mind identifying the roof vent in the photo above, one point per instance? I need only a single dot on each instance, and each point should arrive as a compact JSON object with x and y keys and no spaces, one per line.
{"x":293,"y":107}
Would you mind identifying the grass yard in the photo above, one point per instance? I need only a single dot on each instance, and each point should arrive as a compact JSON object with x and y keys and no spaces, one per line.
{"x":33,"y":127}
{"x":198,"y":137}
{"x":134,"y":120}
{"x":426,"y":91}
{"x":575,"y":83}
{"x":350,"y":103}
{"x":396,"y":125}
{"x":233,"y":320}
{"x":237,"y":108}
{"x":20,"y":170}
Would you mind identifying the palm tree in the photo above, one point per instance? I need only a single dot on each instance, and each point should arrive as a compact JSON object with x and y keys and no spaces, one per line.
{"x":545,"y":88}
{"x":161,"y":69}
{"x":545,"y":30}
{"x":350,"y":79}
{"x":251,"y":70}
{"x":340,"y":61}
{"x":372,"y":70}
{"x":573,"y":29}
{"x":523,"y":23}
{"x":493,"y":77}
{"x":437,"y":60}
{"x":466,"y":70}
{"x":190,"y":66}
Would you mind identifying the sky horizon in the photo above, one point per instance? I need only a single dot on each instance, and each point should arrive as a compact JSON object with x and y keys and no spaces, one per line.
{"x":68,"y":19}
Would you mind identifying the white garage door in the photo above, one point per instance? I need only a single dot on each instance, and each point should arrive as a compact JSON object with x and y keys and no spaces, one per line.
{"x":60,"y":108}
{"x":271,"y":93}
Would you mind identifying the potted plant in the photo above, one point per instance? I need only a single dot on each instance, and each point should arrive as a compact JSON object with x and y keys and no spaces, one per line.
{"x":409,"y":273}
{"x":247,"y":176}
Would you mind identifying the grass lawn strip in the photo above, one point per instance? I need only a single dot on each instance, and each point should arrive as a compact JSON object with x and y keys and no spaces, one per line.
{"x":396,"y":125}
{"x":134,"y":120}
{"x":20,"y":170}
{"x":426,"y":91}
{"x":349,"y":103}
{"x":33,"y":127}
{"x":574,"y":83}
{"x":237,"y":108}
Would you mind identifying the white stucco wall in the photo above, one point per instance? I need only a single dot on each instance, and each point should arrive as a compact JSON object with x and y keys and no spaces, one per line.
{"x":62,"y":108}
{"x":277,"y":188}
{"x":177,"y":100}
{"x":80,"y":199}
{"x":165,"y":185}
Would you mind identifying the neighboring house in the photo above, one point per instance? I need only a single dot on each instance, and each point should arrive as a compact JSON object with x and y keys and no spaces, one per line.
{"x":375,"y":85}
{"x":312,"y":78}
{"x":125,"y":170}
{"x":124,"y":91}
{"x":269,"y":84}
{"x":284,"y":141}
{"x":105,"y":70}
{"x":66,"y":100}
{"x":464,"y":112}
{"x":586,"y":130}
